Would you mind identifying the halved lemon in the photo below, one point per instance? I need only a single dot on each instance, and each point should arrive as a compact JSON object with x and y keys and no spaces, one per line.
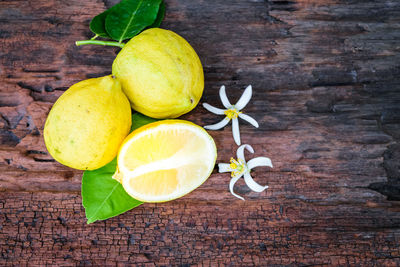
{"x":165,"y":160}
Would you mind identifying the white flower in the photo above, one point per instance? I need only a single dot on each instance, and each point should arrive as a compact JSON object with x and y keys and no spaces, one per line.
{"x":239,"y":168}
{"x":232,"y":112}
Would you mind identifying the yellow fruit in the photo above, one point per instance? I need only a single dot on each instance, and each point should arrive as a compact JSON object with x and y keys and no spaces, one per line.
{"x":88,"y":123}
{"x":160,"y":73}
{"x":165,"y":160}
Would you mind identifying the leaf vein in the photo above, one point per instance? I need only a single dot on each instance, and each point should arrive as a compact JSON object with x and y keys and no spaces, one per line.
{"x":130,"y":21}
{"x":102,"y":203}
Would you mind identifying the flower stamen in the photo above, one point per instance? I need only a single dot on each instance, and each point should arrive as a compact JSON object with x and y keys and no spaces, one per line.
{"x":232,"y":113}
{"x":237,"y":166}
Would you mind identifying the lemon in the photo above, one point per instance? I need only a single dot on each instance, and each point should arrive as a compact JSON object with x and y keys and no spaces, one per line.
{"x":88,"y":123}
{"x":165,"y":160}
{"x":160,"y":73}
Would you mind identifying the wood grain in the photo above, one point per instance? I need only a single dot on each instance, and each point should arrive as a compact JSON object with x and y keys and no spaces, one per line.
{"x":326,"y":86}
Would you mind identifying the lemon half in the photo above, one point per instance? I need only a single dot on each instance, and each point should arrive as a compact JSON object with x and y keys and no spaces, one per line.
{"x":165,"y":160}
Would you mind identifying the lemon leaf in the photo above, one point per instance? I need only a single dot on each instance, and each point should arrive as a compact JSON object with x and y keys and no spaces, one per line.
{"x":102,"y":196}
{"x":98,"y":24}
{"x":160,"y":16}
{"x":129,"y":17}
{"x":139,"y":120}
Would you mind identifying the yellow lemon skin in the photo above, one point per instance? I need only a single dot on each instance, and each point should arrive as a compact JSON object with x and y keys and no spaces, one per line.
{"x":160,"y":73}
{"x":88,"y":123}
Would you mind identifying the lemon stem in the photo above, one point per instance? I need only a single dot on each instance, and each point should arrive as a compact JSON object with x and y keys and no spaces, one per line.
{"x":98,"y":42}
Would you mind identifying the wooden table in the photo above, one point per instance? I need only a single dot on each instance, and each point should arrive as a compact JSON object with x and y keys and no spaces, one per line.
{"x":326,"y":79}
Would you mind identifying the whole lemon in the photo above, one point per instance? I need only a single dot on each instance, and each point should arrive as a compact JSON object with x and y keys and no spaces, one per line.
{"x":88,"y":123}
{"x":160,"y":73}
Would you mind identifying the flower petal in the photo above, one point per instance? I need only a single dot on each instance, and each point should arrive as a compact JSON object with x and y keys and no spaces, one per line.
{"x":232,"y":183}
{"x":224,"y":167}
{"x":235,"y":131}
{"x":212,"y":109}
{"x":248,"y":119}
{"x":224,"y":98}
{"x":245,"y":98}
{"x":252,"y":184}
{"x":218,"y":125}
{"x":240,"y":151}
{"x":259,"y":161}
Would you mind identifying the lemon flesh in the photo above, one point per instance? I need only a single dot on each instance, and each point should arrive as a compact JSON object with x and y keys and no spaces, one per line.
{"x":160,"y":73}
{"x":88,"y":123}
{"x":165,"y":160}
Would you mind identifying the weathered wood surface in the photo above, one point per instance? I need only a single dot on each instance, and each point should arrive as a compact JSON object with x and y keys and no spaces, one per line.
{"x":326,"y":79}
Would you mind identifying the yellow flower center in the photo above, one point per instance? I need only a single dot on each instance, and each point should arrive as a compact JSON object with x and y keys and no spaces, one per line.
{"x":237,"y":166}
{"x":232,"y":113}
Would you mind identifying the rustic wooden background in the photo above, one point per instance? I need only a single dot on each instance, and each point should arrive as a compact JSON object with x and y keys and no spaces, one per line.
{"x":326,"y":79}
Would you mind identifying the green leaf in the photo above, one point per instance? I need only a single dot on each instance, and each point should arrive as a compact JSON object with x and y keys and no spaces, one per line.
{"x":160,"y":16}
{"x":129,"y":17}
{"x":139,"y":120}
{"x":102,"y":196}
{"x":98,"y":24}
